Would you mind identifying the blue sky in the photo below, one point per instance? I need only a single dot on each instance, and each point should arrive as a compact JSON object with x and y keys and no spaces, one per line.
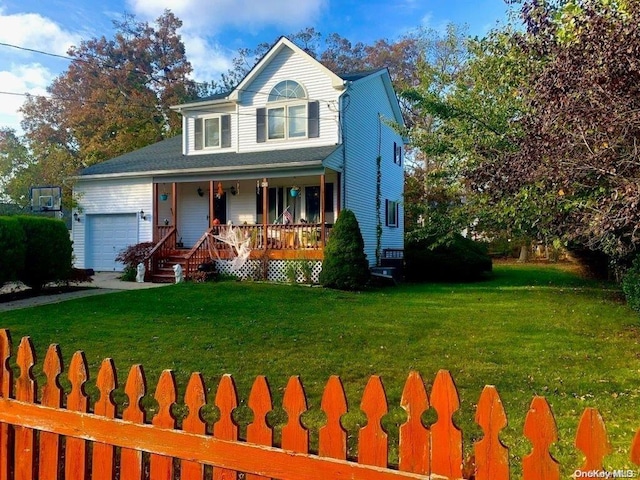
{"x":213,"y":30}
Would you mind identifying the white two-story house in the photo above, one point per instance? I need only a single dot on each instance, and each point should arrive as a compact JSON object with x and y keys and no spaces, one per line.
{"x":277,"y":158}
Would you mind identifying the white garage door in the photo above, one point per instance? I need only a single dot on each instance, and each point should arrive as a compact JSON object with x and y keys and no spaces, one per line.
{"x":107,"y":235}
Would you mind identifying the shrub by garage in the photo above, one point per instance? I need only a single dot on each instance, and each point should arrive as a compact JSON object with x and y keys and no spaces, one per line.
{"x":12,"y":249}
{"x":48,"y":251}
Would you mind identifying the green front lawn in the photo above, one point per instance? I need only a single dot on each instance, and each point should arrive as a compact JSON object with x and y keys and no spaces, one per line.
{"x":531,"y":330}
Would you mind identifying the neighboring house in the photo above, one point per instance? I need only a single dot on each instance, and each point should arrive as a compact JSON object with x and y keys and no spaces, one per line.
{"x":278,"y":157}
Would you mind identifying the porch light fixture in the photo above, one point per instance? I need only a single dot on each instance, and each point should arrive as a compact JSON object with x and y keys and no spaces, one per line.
{"x":200,"y":192}
{"x":233,"y":190}
{"x":76,"y":217}
{"x":220,"y":191}
{"x":142,"y":215}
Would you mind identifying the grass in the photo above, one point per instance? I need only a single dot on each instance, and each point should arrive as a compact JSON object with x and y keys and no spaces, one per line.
{"x":530,"y":330}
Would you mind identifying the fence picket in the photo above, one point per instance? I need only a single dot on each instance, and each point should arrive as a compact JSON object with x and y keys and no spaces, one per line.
{"x":161,"y":467}
{"x":333,"y":437}
{"x":635,"y":448}
{"x":540,"y":429}
{"x":295,"y":436}
{"x":492,"y":457}
{"x":194,"y":399}
{"x":75,"y":448}
{"x":194,"y":448}
{"x":261,"y":404}
{"x":225,"y":428}
{"x":446,"y":437}
{"x":102,"y":465}
{"x":26,"y":392}
{"x":135,"y":388}
{"x":414,"y":436}
{"x":591,"y":439}
{"x":51,"y":397}
{"x":372,"y":439}
{"x":6,"y":385}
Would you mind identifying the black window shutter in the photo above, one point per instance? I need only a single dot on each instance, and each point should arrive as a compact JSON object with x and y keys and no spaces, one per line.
{"x":313,"y":112}
{"x":399,"y":150}
{"x":225,"y":124}
{"x":198,"y":134}
{"x":386,"y":213}
{"x":261,"y":125}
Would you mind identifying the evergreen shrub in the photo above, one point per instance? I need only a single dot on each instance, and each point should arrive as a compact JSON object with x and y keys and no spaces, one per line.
{"x":432,"y":258}
{"x":48,"y":251}
{"x":631,"y":285}
{"x":345,"y":265}
{"x":12,"y":249}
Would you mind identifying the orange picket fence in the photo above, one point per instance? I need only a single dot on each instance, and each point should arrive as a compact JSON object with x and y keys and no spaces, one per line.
{"x":42,"y":439}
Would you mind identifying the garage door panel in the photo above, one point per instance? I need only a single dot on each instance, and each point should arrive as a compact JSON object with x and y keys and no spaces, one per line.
{"x":107,"y":235}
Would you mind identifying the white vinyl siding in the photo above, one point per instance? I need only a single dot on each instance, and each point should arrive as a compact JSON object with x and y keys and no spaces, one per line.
{"x":368,"y":109}
{"x":220,"y":139}
{"x":317,"y":84}
{"x":115,"y":196}
{"x":193,"y":212}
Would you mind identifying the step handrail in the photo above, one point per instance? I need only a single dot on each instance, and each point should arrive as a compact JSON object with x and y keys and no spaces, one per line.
{"x":149,"y":260}
{"x":194,"y":250}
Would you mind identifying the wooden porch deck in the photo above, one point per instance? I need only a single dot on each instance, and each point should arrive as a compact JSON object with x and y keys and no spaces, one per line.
{"x":304,"y":241}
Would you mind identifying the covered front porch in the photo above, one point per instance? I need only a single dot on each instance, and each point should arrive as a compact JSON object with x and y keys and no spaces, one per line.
{"x":275,"y":218}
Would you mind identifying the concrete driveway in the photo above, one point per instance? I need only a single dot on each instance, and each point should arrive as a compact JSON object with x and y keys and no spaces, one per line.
{"x":103,"y":282}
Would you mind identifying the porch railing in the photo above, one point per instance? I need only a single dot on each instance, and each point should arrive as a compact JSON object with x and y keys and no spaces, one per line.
{"x":162,"y":249}
{"x":298,"y":236}
{"x":198,"y":254}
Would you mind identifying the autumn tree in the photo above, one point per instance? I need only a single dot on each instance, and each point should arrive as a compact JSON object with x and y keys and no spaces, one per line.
{"x":578,"y":154}
{"x":113,"y":98}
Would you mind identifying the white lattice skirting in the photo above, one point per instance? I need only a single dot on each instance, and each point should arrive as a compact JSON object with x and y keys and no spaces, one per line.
{"x":277,"y":270}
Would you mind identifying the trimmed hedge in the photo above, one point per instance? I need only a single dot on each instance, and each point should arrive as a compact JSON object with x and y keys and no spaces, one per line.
{"x":48,"y":251}
{"x":631,"y":285}
{"x":12,"y":249}
{"x":457,"y":260}
{"x":345,"y":264}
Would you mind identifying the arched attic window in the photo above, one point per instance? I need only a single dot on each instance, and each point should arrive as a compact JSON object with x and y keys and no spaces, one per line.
{"x":288,"y":114}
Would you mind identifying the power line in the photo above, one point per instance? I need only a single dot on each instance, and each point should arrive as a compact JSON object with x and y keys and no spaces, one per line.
{"x":115,"y":67}
{"x":144,"y":106}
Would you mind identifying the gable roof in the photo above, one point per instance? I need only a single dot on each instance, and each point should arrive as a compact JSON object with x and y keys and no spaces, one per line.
{"x":166,"y":157}
{"x":282,"y":43}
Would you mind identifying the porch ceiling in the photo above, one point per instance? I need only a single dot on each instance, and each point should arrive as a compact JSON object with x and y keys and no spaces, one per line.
{"x":166,"y":157}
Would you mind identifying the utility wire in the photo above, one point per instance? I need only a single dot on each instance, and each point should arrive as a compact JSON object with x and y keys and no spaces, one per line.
{"x":145,"y":106}
{"x":115,"y":67}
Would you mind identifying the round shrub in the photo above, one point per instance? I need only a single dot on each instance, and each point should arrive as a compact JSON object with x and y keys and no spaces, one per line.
{"x":345,"y":265}
{"x":429,"y":258}
{"x":48,"y":251}
{"x":631,"y":285}
{"x":12,"y":249}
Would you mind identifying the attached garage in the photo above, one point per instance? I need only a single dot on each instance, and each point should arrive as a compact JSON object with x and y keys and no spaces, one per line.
{"x":106,"y":236}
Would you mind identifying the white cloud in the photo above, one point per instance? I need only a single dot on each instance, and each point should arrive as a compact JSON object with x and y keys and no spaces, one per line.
{"x":208,"y":60}
{"x":215,"y":14}
{"x":203,"y":20}
{"x":27,"y":78}
{"x":34,"y":31}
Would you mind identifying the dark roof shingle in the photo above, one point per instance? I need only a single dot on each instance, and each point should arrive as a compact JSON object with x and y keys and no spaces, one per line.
{"x":167,"y":156}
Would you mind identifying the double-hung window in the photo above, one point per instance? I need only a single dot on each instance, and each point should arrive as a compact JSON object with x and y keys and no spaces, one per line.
{"x":288,"y":114}
{"x":212,"y":132}
{"x":391,"y":212}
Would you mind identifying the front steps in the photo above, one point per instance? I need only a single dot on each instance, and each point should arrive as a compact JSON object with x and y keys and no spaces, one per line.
{"x":164,"y":269}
